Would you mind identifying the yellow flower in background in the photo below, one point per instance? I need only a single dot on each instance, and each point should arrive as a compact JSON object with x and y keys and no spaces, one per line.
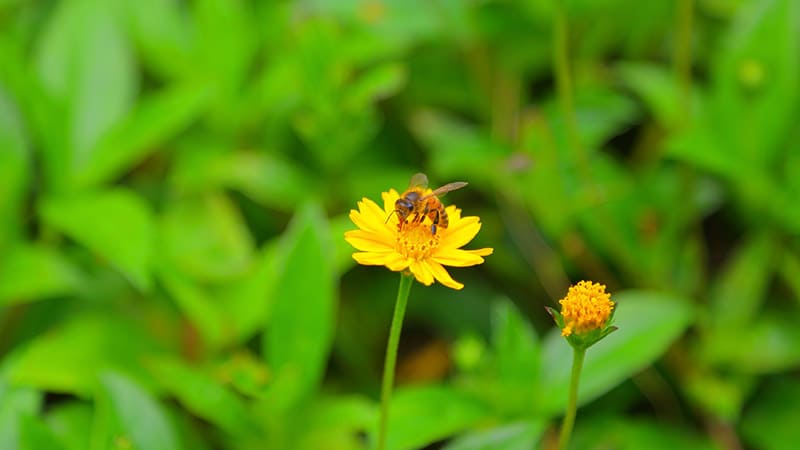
{"x":586,"y":307}
{"x":414,"y":246}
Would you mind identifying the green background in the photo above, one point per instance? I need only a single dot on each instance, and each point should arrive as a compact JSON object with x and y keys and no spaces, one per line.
{"x":176,"y":178}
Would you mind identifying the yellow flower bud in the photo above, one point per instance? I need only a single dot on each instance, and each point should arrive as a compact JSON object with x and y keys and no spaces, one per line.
{"x":586,"y":307}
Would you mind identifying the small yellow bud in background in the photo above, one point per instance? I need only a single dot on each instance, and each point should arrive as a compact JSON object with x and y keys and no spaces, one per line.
{"x":586,"y":314}
{"x":586,"y":307}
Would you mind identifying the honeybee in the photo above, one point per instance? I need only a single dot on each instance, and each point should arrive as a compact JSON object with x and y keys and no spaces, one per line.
{"x":414,"y":202}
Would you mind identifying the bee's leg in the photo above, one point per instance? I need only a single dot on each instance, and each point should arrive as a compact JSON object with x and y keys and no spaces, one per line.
{"x":434,"y":215}
{"x":425,"y":212}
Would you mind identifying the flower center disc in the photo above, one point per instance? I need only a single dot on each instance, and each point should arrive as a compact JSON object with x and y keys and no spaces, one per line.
{"x":586,"y":307}
{"x":416,"y":241}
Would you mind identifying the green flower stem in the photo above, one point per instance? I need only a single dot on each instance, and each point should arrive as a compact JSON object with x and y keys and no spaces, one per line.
{"x":572,"y":404}
{"x":391,"y":355}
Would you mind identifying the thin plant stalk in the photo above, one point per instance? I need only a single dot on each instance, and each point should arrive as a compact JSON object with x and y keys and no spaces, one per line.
{"x":682,"y":57}
{"x":391,"y":355}
{"x":564,"y":78}
{"x":572,"y":403}
{"x":566,"y":98}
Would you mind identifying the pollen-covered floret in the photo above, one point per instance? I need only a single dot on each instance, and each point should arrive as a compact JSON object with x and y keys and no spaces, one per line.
{"x":586,"y":307}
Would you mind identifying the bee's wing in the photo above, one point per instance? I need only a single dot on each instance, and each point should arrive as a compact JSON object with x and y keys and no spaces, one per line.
{"x":447,"y":188}
{"x":419,"y":180}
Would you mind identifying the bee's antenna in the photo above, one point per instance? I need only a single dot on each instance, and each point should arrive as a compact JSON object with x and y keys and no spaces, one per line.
{"x":389,"y":216}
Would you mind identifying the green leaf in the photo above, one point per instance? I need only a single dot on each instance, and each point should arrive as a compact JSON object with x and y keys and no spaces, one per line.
{"x":203,"y":396}
{"x":625,"y":433}
{"x":344,"y":251}
{"x":789,"y":267}
{"x":718,"y":394}
{"x":770,"y":423}
{"x":116,"y":224}
{"x":231,"y":311}
{"x":326,"y":113}
{"x":419,"y":416}
{"x":513,"y":436}
{"x":14,"y":168}
{"x":458,"y":147}
{"x":25,"y":432}
{"x":248,"y":301}
{"x":128,"y":413}
{"x":246,"y":372}
{"x":192,"y":435}
{"x":698,"y":146}
{"x":29,"y":273}
{"x":86,"y":63}
{"x":19,"y":427}
{"x":515,"y":343}
{"x":206,"y":238}
{"x":648,"y":323}
{"x":68,"y":358}
{"x":43,"y":113}
{"x":754,"y":90}
{"x":226,"y":37}
{"x":399,"y":24}
{"x":376,"y":84}
{"x":225,"y":46}
{"x":740,"y":289}
{"x":506,"y":378}
{"x":601,"y":113}
{"x":154,"y":120}
{"x":656,"y":86}
{"x":71,"y":423}
{"x":766,"y":344}
{"x":268,"y":178}
{"x":336,"y":422}
{"x":18,"y":399}
{"x":162,"y":33}
{"x":300,"y":328}
{"x":200,"y":307}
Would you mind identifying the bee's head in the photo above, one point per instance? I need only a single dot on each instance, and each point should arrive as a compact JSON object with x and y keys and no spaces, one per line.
{"x":405,"y":205}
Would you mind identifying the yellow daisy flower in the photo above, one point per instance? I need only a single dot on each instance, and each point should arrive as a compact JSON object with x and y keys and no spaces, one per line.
{"x":415,"y":247}
{"x":586,"y":307}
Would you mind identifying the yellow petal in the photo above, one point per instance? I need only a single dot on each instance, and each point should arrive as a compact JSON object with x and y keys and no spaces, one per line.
{"x":388,"y":201}
{"x":373,"y":218}
{"x":443,"y":277}
{"x":364,"y":221}
{"x":397,"y":262}
{"x":422,"y":272}
{"x":482,"y":251}
{"x":375,"y":231}
{"x":369,"y":242}
{"x":372,"y":258}
{"x":457,"y":257}
{"x":453,"y":213}
{"x":372,"y":208}
{"x":460,"y":232}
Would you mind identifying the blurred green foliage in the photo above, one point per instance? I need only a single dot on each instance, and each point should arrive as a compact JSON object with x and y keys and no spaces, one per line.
{"x":175,"y":179}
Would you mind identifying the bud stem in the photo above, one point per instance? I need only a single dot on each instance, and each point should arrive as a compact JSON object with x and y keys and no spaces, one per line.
{"x":572,"y":403}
